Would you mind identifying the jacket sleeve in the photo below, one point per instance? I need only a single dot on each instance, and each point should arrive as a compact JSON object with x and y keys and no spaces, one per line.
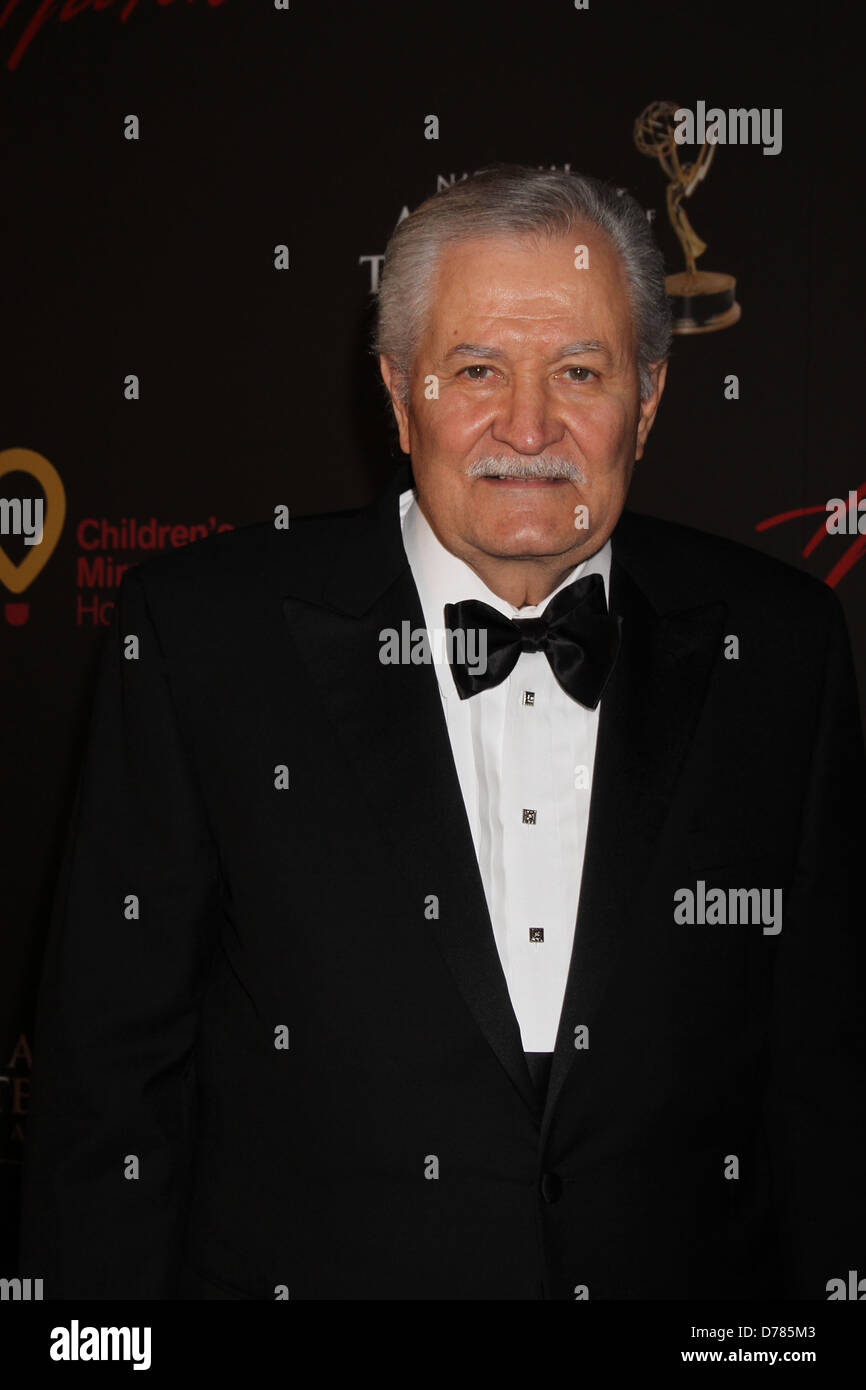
{"x":135,"y":918}
{"x":816,"y":1113}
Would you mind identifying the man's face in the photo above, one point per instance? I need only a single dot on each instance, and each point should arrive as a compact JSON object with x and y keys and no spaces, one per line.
{"x":525,"y":358}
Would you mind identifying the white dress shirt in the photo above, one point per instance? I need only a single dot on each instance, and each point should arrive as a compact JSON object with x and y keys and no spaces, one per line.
{"x":524,"y":753}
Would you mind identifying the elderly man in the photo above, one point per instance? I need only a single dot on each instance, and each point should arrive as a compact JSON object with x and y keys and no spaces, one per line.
{"x":522,"y":964}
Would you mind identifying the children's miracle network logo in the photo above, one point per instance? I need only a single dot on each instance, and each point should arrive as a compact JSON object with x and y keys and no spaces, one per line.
{"x":37,"y":521}
{"x":107,"y":548}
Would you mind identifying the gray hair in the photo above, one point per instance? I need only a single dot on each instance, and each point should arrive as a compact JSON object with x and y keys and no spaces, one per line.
{"x":516,"y":200}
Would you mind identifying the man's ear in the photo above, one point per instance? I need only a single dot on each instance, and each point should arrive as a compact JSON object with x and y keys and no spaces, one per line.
{"x":393,"y":382}
{"x":648,"y":408}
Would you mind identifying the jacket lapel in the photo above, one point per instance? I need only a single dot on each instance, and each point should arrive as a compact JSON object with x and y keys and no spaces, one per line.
{"x":390,"y":723}
{"x":646,"y":723}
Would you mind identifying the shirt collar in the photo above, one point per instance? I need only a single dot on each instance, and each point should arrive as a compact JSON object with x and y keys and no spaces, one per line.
{"x":441,"y":577}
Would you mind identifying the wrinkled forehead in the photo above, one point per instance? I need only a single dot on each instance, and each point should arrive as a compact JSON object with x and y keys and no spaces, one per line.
{"x":530,"y":290}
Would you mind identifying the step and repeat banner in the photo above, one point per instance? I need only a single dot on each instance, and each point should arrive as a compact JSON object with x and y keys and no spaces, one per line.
{"x":196,"y":199}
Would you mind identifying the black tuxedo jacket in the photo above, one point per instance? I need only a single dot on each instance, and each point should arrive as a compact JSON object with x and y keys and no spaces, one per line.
{"x":275,"y":1053}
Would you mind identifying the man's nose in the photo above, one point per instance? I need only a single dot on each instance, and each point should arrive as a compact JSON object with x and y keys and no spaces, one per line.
{"x":527,"y":419}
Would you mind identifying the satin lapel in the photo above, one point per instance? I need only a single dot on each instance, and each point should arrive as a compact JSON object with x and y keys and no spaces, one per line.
{"x":391,"y":726}
{"x":647,"y":719}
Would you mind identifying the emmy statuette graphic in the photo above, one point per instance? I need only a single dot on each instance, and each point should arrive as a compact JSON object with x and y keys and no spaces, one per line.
{"x":702,"y":300}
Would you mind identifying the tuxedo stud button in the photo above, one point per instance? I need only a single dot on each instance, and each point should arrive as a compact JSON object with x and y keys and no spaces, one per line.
{"x":551,"y":1187}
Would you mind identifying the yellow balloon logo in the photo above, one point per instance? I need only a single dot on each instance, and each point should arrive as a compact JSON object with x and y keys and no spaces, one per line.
{"x":18,"y":577}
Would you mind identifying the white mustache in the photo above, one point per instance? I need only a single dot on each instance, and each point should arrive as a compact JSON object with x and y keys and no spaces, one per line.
{"x":538,"y":467}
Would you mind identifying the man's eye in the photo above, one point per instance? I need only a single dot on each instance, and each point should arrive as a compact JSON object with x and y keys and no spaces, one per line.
{"x":476,"y":367}
{"x":587,"y":370}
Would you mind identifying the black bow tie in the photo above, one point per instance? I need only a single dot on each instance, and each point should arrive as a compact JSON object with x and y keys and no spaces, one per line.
{"x":576,"y":633}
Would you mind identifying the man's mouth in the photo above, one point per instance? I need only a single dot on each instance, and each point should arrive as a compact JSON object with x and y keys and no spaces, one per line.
{"x":522,"y":482}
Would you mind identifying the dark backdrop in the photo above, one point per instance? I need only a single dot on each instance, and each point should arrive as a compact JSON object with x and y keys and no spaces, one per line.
{"x":305,"y":127}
